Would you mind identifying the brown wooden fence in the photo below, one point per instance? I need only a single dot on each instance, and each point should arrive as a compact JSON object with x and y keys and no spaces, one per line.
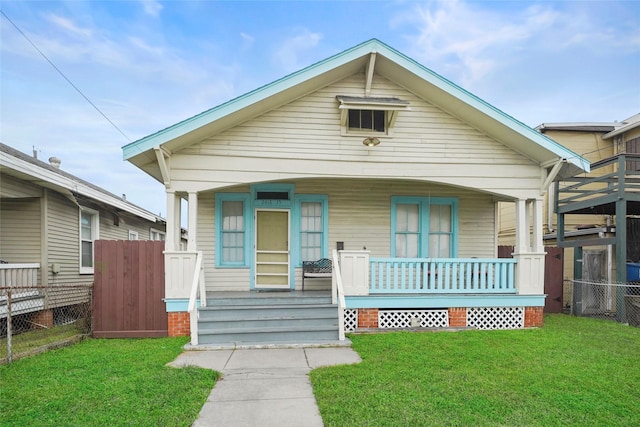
{"x":553,"y":276}
{"x":128,"y":289}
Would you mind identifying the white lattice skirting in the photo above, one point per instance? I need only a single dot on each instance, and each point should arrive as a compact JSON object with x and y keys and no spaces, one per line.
{"x":496,"y":317}
{"x":413,"y":319}
{"x":350,"y":320}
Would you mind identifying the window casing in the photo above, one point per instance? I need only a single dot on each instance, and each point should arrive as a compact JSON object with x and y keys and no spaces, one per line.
{"x":311,"y":227}
{"x":233,"y":230}
{"x":369,"y":116}
{"x":424,"y":227}
{"x":156,"y":234}
{"x":89,"y":233}
{"x":133,"y":235}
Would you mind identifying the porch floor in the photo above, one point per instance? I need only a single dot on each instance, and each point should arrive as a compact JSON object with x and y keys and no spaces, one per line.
{"x":265,"y":294}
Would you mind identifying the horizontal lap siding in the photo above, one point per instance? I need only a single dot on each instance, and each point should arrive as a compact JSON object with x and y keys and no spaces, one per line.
{"x":20,"y":230}
{"x":359,"y":216}
{"x":303,"y":138}
{"x":11,"y":187}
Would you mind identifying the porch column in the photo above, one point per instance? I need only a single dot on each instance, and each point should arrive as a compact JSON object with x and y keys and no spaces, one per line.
{"x":172,"y":242}
{"x":529,"y":249}
{"x":193,"y":222}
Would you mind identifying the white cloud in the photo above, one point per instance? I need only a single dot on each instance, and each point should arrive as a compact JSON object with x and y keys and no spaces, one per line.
{"x":288,"y":54}
{"x":152,"y":8}
{"x":468,"y":40}
{"x":68,"y":25}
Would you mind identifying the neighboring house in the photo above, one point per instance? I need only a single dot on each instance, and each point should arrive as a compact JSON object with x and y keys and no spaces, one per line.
{"x":371,"y":153}
{"x":50,"y":219}
{"x":593,"y":228}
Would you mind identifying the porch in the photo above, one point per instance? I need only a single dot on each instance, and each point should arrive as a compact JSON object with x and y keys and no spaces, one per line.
{"x":365,"y":293}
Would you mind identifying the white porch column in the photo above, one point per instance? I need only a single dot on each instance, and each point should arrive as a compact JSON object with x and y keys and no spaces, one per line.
{"x":193,"y":222}
{"x":537,"y":244}
{"x":172,"y":222}
{"x":529,"y":252}
{"x":522,"y":227}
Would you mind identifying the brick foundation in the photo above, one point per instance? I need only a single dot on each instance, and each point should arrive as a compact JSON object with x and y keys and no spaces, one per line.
{"x":367,"y":318}
{"x":533,"y":317}
{"x":179,"y":324}
{"x":43,"y":319}
{"x":457,"y":317}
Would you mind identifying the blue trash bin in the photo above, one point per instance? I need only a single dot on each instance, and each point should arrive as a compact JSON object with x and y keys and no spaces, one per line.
{"x":633,"y":272}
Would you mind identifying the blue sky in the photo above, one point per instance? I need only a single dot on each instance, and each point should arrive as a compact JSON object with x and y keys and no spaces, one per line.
{"x":148,"y":64}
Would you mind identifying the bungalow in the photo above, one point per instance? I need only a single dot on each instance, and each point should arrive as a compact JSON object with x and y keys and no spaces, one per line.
{"x":368,"y":162}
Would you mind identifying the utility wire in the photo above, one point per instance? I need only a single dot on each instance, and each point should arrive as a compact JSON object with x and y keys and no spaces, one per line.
{"x":65,"y":77}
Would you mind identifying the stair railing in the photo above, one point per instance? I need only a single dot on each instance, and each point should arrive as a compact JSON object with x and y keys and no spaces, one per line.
{"x":197,"y":289}
{"x":337,"y":293}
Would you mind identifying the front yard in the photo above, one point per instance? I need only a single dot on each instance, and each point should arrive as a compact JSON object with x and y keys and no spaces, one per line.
{"x":104,"y":383}
{"x":573,"y":371}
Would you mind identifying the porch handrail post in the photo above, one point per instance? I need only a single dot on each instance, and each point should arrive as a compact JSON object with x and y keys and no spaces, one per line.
{"x":337,"y":278}
{"x":196,"y":286}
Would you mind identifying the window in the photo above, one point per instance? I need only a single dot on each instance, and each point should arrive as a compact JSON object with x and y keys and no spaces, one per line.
{"x":423,"y":227}
{"x":232,"y":229}
{"x":88,"y":234}
{"x":311,"y":223}
{"x":156,"y":234}
{"x":133,"y":235}
{"x":367,"y":120}
{"x":367,"y":115}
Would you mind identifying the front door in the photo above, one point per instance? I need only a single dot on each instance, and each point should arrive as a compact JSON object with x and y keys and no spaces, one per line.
{"x":272,"y":249}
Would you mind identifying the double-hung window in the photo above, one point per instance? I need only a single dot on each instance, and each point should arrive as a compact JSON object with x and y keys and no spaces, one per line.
{"x":423,"y":227}
{"x":312,"y":227}
{"x":89,"y":225}
{"x":232,"y":224}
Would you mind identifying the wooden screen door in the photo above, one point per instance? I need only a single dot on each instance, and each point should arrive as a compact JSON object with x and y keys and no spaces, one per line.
{"x":272,"y":249}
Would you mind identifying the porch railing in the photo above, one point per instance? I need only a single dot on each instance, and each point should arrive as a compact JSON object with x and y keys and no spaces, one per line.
{"x":197,"y":289}
{"x":442,"y":275}
{"x":19,"y":274}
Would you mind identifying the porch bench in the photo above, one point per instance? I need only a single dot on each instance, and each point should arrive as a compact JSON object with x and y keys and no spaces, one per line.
{"x":320,"y":269}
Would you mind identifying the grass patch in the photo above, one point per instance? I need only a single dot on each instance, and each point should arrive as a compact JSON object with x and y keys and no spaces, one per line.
{"x":102,"y":382}
{"x":32,"y":341}
{"x":573,"y":371}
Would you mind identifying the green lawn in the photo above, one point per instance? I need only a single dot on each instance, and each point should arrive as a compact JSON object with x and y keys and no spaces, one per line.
{"x":573,"y":371}
{"x":104,"y":383}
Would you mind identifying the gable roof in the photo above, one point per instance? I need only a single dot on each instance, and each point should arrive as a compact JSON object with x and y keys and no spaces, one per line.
{"x":389,"y":63}
{"x":28,"y":168}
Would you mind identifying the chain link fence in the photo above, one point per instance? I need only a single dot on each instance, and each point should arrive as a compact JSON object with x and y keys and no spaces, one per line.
{"x":34,"y":319}
{"x":612,"y":301}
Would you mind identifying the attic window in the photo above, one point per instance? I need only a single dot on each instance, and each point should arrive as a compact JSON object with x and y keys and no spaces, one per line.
{"x":367,"y":115}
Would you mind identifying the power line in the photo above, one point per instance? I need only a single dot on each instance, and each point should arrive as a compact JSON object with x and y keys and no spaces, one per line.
{"x":65,"y":77}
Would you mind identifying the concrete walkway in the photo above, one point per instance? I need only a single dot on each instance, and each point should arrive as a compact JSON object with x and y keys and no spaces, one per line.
{"x":263,"y":387}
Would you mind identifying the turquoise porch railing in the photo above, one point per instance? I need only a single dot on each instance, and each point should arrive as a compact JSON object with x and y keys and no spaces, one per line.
{"x":442,"y":275}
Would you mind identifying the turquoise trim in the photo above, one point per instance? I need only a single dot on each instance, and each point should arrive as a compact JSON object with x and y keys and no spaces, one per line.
{"x":274,"y":204}
{"x":248,"y":229}
{"x":331,"y":63}
{"x":295,"y":231}
{"x":177,"y":305}
{"x":443,"y":301}
{"x":424,"y":204}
